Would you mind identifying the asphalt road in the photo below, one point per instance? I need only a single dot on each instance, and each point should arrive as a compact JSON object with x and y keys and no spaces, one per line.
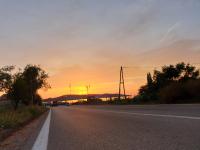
{"x":154,"y":127}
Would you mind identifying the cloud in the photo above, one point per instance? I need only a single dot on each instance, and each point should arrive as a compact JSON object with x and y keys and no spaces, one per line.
{"x":138,"y":22}
{"x":180,"y":50}
{"x":170,"y":30}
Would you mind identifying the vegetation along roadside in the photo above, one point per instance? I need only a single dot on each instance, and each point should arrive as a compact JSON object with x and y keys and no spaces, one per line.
{"x":23,"y":103}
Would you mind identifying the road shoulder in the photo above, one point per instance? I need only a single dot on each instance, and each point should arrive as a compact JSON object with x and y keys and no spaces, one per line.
{"x":24,"y":138}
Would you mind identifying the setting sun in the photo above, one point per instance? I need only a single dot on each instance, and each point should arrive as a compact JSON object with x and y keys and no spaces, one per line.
{"x":79,"y":90}
{"x":99,"y":74}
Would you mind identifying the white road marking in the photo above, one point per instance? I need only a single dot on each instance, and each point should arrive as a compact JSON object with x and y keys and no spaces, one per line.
{"x":41,"y":142}
{"x":145,"y":114}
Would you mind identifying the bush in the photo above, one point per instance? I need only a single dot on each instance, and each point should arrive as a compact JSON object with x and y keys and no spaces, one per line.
{"x":179,"y":92}
{"x":178,"y":83}
{"x":10,"y":118}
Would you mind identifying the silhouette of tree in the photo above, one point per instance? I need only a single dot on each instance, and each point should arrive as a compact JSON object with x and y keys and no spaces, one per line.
{"x":6,"y":78}
{"x":23,"y":85}
{"x":36,"y":78}
{"x":18,"y":91}
{"x":149,"y":79}
{"x":179,"y":73}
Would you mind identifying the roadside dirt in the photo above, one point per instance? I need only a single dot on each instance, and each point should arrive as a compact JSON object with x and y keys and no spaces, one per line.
{"x":24,"y":138}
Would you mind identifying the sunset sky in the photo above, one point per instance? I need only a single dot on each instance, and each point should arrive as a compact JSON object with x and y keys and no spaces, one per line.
{"x":85,"y":42}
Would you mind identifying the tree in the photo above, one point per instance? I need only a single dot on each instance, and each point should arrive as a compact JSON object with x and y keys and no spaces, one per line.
{"x":6,"y":78}
{"x":147,"y":92}
{"x":36,"y":78}
{"x":189,"y":72}
{"x":149,"y":79}
{"x":18,"y":91}
{"x":38,"y":99}
{"x":181,"y":92}
{"x":179,"y":73}
{"x":22,"y":86}
{"x":13,"y":85}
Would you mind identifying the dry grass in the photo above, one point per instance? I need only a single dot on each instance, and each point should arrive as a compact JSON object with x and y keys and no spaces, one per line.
{"x":10,"y":118}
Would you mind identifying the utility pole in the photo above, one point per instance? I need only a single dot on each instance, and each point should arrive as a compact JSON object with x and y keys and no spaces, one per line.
{"x":70,"y":90}
{"x":87,"y":88}
{"x":121,"y":84}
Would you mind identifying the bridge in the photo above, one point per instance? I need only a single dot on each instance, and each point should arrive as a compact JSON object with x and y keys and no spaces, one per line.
{"x":85,"y":96}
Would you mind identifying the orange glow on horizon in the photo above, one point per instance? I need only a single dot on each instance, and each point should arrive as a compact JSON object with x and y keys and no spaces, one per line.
{"x":131,"y":89}
{"x":82,"y":43}
{"x":102,"y":79}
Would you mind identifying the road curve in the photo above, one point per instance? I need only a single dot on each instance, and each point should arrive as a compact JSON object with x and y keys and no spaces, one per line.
{"x":154,"y":127}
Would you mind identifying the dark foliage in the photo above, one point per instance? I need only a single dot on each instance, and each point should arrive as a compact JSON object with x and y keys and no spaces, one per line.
{"x":173,"y":84}
{"x":36,"y":78}
{"x":6,"y":78}
{"x":22,"y":87}
{"x":18,"y":91}
{"x":181,"y":92}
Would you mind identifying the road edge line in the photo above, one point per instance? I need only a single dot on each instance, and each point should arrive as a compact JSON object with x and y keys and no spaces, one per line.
{"x":41,"y":142}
